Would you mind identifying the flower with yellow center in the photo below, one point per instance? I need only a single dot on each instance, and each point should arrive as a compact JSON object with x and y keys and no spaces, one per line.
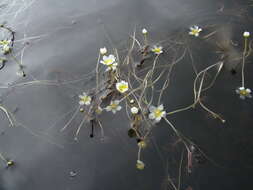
{"x":84,"y":99}
{"x":5,"y":45}
{"x":157,"y":49}
{"x":195,"y":30}
{"x":156,"y":113}
{"x":108,"y":60}
{"x":113,"y":107}
{"x":244,"y":92}
{"x":140,"y":165}
{"x":122,"y":86}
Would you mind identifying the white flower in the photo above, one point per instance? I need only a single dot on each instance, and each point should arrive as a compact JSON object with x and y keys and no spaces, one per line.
{"x":103,"y":50}
{"x":195,"y":30}
{"x":157,"y":49}
{"x":144,"y":31}
{"x":84,"y":99}
{"x":246,"y":34}
{"x":5,"y":45}
{"x":114,"y":106}
{"x":140,"y":165}
{"x":134,"y":110}
{"x":244,"y":92}
{"x":122,"y":86}
{"x":131,"y":101}
{"x":108,"y":60}
{"x":156,"y":113}
{"x":112,"y":67}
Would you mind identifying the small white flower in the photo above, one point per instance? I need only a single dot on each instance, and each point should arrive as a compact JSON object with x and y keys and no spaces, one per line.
{"x":246,"y":34}
{"x":122,"y":86}
{"x":157,"y":49}
{"x":113,"y":107}
{"x":103,"y":51}
{"x":144,"y":31}
{"x":131,"y":101}
{"x":112,"y":67}
{"x":195,"y":30}
{"x":5,"y":45}
{"x":244,"y":92}
{"x":84,"y":99}
{"x":108,"y":60}
{"x":156,"y":113}
{"x":140,"y":165}
{"x":134,"y":110}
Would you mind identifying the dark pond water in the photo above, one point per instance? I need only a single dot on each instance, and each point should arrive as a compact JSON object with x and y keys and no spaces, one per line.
{"x":61,"y":40}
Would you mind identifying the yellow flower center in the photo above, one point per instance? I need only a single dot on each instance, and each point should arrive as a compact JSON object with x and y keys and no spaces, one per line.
{"x":4,"y":42}
{"x":114,"y":106}
{"x":195,"y":31}
{"x":108,"y":61}
{"x":85,"y":99}
{"x":243,"y":92}
{"x":140,"y":166}
{"x":123,"y":87}
{"x":158,"y":113}
{"x":157,"y":50}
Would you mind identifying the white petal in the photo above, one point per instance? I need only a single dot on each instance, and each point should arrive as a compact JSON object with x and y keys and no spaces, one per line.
{"x":116,"y":101}
{"x":81,"y":102}
{"x":158,"y":119}
{"x":151,"y":116}
{"x":152,"y":108}
{"x":118,"y":108}
{"x":160,"y":107}
{"x":242,"y":97}
{"x":87,"y":103}
{"x":248,"y":90}
{"x":241,"y":88}
{"x":108,"y":108}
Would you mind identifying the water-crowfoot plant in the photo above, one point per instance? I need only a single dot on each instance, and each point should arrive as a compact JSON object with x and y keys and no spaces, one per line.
{"x":137,"y":81}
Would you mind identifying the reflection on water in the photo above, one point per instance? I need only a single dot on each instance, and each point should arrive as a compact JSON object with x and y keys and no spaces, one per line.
{"x":58,"y":41}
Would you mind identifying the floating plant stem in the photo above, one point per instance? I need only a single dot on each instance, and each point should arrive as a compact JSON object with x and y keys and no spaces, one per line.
{"x":246,"y":35}
{"x":8,"y":115}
